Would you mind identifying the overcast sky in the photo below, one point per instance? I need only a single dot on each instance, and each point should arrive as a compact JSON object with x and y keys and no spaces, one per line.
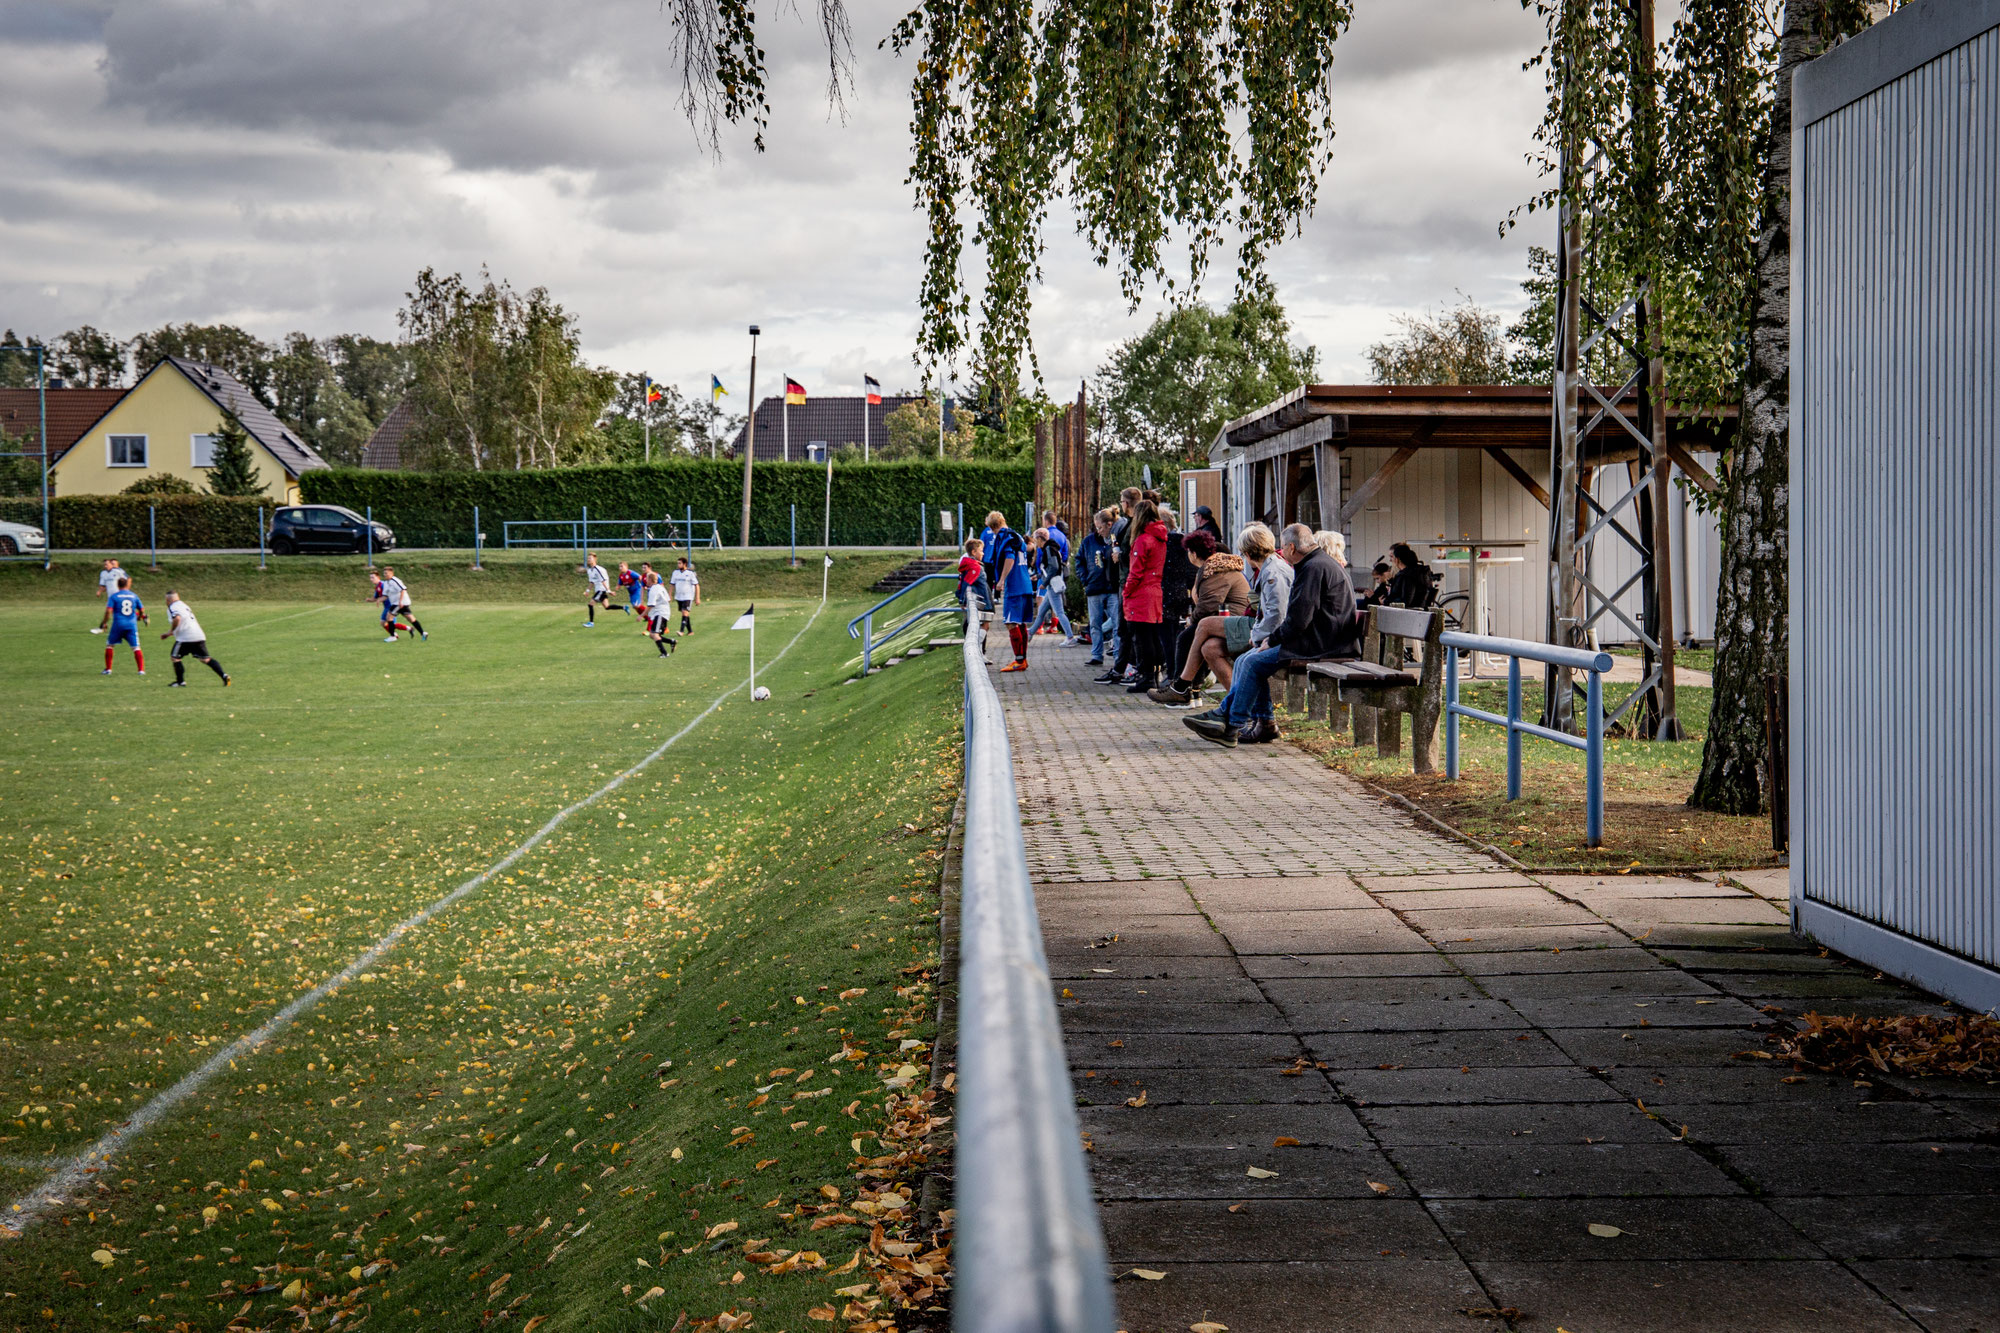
{"x":282,"y":165}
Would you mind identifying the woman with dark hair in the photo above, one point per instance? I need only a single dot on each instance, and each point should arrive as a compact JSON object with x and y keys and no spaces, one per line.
{"x":1143,"y":604}
{"x":1220,"y":590}
{"x":1412,"y":584}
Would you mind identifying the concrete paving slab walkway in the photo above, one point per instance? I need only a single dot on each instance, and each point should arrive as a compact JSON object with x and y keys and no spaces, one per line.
{"x":1340,"y":1072}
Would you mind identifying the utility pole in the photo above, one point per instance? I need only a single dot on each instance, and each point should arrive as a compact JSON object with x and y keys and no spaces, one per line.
{"x":750,"y":437}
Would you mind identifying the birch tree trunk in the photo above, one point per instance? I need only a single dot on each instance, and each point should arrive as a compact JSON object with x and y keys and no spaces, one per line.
{"x":1752,"y":635}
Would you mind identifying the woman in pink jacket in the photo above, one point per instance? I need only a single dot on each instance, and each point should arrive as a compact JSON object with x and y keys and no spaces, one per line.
{"x":1143,"y":605}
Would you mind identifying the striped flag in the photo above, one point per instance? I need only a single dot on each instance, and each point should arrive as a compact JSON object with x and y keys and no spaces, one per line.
{"x":795,"y":392}
{"x":874,"y":388}
{"x":748,"y":620}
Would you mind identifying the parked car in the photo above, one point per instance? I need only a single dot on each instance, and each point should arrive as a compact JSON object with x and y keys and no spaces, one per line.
{"x":20,"y":539}
{"x":325,"y":528}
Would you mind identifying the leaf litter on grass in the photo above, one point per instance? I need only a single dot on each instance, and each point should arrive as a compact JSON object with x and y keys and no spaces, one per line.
{"x":489,"y":1107}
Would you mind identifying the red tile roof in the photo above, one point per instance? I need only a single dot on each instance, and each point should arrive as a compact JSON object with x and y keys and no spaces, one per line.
{"x":71,"y":413}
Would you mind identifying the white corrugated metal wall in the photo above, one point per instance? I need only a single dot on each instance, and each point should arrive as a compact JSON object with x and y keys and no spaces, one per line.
{"x":1896,"y":267}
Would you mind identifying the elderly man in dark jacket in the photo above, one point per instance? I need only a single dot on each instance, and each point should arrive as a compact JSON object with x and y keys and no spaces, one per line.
{"x":1320,"y":623}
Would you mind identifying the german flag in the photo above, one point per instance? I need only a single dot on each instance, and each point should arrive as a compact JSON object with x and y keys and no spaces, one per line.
{"x":874,"y":388}
{"x":795,"y":392}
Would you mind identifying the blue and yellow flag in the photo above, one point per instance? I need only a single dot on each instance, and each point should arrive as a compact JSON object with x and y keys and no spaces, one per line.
{"x":715,"y":389}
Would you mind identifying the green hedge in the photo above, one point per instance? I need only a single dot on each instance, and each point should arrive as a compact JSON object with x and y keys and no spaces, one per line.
{"x":874,"y":504}
{"x":183,"y":522}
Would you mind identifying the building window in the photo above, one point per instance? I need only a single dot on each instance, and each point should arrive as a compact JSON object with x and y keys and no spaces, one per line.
{"x":204,"y":450}
{"x":128,"y":451}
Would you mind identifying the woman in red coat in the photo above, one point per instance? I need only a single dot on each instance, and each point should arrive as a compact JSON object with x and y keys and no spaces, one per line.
{"x":1143,"y":606}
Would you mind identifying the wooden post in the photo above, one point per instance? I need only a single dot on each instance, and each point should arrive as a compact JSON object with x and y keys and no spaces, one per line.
{"x":1318,"y":692}
{"x":1367,"y":717}
{"x":1428,"y":705}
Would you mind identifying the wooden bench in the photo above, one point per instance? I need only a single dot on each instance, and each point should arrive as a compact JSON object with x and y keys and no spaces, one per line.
{"x":1376,"y":689}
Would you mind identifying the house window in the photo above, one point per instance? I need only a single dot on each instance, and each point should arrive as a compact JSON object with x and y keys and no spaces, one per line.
{"x":128,"y":451}
{"x":204,"y":450}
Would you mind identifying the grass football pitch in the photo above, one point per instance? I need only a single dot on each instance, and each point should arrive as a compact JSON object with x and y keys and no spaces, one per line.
{"x":656,"y":1066}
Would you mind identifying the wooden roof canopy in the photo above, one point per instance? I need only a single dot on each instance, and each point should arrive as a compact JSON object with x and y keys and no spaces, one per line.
{"x":1451,"y":416}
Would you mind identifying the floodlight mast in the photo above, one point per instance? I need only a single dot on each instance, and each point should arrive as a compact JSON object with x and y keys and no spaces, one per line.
{"x":750,"y":436}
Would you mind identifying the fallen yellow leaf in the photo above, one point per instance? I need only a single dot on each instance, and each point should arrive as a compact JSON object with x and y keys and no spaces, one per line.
{"x":105,"y":1257}
{"x":1378,"y":1187}
{"x":1284,"y":1141}
{"x":1150,"y":1274}
{"x":1136,"y":1102}
{"x":1259,"y":1173}
{"x":1605,"y":1230}
{"x":1208,"y":1326}
{"x":294,"y":1289}
{"x":651,"y":1293}
{"x":721,"y":1229}
{"x":825,"y":1314}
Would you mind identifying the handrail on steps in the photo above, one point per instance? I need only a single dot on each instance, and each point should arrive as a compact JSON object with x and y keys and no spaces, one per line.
{"x":862,"y":627}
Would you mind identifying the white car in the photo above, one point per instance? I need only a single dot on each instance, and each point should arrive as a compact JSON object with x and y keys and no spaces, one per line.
{"x":20,"y":539}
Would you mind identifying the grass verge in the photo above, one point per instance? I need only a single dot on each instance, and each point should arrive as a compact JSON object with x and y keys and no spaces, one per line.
{"x":668,"y":1063}
{"x":1647,"y":820}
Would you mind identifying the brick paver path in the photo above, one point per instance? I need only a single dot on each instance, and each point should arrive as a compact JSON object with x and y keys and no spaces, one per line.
{"x":1339,"y":1072}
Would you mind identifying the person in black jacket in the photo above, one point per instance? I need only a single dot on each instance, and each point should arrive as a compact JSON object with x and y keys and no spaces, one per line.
{"x":1098,"y":573}
{"x":1412,"y":584}
{"x":1320,"y":623}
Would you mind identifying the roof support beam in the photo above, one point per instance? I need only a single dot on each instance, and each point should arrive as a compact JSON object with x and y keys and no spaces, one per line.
{"x":1518,"y":473}
{"x":1366,"y":491}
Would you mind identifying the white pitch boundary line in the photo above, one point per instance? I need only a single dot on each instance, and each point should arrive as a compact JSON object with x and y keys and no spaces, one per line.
{"x":259,"y":624}
{"x":31,"y":1208}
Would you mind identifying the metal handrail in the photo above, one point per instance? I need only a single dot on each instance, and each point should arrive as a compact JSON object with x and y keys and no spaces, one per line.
{"x":870,"y":640}
{"x":1516,"y":651}
{"x":1030,"y":1254}
{"x":854,"y":633}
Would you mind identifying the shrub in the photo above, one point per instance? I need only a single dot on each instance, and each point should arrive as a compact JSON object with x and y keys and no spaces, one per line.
{"x":161,"y":483}
{"x":874,"y":504}
{"x":182,"y":522}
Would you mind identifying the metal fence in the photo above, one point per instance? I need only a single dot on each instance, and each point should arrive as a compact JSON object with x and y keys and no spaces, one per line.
{"x":1030,"y":1253}
{"x":641,"y":534}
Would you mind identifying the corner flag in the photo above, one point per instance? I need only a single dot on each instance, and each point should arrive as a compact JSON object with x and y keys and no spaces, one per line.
{"x":748,"y":619}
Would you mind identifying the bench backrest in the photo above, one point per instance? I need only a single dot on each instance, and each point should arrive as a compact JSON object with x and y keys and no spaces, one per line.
{"x":1402,"y":622}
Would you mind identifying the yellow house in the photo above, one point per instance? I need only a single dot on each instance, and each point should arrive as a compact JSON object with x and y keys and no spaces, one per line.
{"x":167,"y":423}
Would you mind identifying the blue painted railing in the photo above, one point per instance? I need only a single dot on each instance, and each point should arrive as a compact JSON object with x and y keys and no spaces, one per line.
{"x":1516,"y":651}
{"x":862,"y":627}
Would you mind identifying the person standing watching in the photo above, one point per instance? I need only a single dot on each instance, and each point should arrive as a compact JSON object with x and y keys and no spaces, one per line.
{"x":1144,"y":600}
{"x":189,"y":641}
{"x":1122,"y":533}
{"x":1320,"y":624}
{"x":1009,"y":555}
{"x":1100,"y":588}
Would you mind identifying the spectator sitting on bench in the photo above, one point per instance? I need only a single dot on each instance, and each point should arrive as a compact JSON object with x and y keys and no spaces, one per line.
{"x":1320,"y":624}
{"x":1220,"y":593}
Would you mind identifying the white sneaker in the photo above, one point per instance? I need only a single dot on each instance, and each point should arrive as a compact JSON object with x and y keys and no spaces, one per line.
{"x":106,"y":671}
{"x":96,"y":630}
{"x":390,"y":639}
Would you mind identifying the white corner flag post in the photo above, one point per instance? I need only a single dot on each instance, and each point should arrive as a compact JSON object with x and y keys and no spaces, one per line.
{"x":748,"y":620}
{"x":826,"y":526}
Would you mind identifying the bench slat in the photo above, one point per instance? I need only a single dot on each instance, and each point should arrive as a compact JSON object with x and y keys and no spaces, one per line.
{"x":1402,"y":621}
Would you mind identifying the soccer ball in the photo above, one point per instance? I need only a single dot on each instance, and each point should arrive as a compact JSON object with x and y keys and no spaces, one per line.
{"x":760,"y":694}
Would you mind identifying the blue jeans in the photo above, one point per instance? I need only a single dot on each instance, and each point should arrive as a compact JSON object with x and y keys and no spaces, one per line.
{"x":1100,"y":613}
{"x":1249,"y":697}
{"x":1052,"y":604}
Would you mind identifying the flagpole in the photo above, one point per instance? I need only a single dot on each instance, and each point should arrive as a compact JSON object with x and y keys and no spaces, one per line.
{"x":864,"y":427}
{"x":788,"y":419}
{"x":646,"y":412}
{"x":826,"y":528}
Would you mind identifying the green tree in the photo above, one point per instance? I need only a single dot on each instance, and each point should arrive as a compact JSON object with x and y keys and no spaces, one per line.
{"x":497,"y":379}
{"x":233,"y":467}
{"x":1458,"y":345}
{"x":1150,"y":122}
{"x":374,"y":373}
{"x":87,"y":358}
{"x":1170,"y":389}
{"x":680,"y":427}
{"x":307,"y":393}
{"x":913,"y":433}
{"x":17,"y":362}
{"x":225,"y":346}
